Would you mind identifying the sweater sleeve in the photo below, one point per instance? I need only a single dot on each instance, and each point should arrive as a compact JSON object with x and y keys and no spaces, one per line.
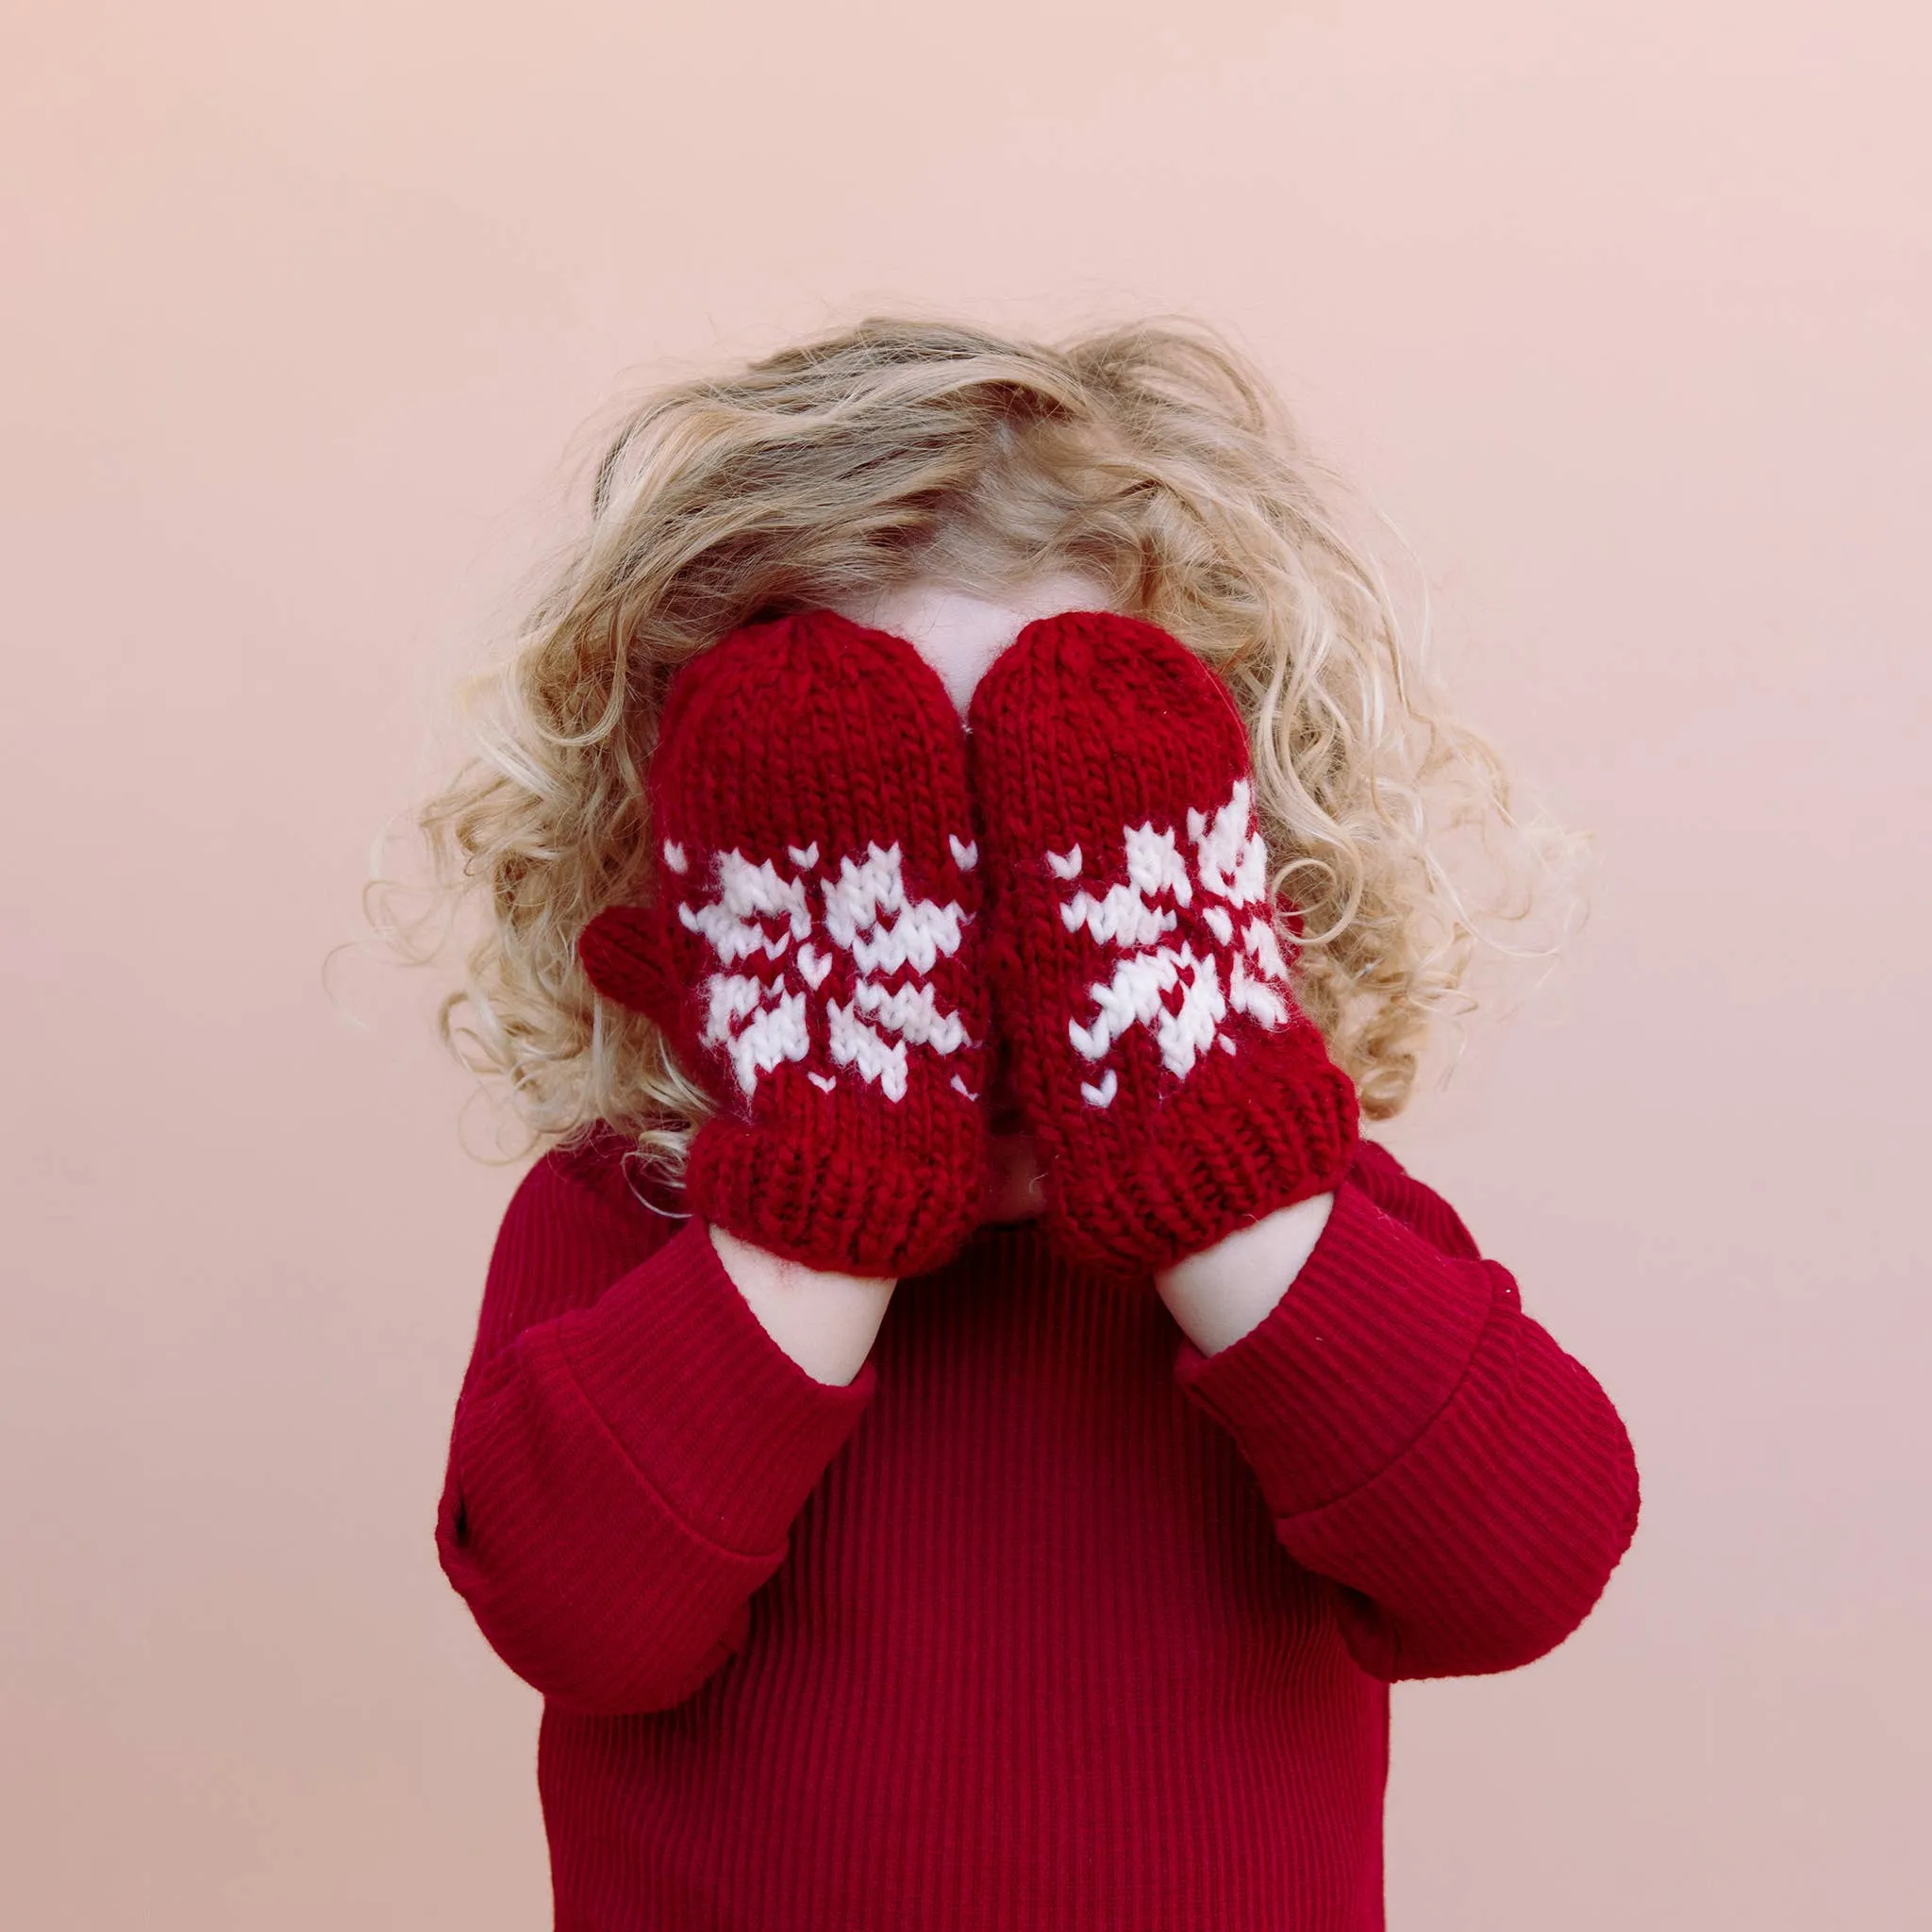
{"x":1465,"y":1485}
{"x":629,"y":1451}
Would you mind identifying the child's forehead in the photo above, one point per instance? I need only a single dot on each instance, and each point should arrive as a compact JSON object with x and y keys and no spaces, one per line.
{"x":959,"y":629}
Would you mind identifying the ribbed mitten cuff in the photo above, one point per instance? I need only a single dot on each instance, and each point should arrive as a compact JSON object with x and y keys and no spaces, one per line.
{"x":823,"y":1196}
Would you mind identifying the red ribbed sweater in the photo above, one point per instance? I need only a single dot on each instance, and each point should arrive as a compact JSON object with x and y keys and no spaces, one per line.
{"x":1046,"y":1621}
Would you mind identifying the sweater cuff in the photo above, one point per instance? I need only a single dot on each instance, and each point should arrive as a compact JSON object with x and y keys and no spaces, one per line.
{"x":1352,"y":1364}
{"x":714,"y":1415}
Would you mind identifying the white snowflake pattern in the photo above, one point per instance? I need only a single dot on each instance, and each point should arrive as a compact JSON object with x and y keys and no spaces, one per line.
{"x":1200,"y":929}
{"x":775,"y":936}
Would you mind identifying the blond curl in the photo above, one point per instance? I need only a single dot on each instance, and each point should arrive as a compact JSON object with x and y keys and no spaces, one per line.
{"x":1149,"y":459}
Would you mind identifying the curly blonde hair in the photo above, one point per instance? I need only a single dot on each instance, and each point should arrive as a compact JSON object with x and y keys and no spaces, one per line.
{"x":1151,"y":460}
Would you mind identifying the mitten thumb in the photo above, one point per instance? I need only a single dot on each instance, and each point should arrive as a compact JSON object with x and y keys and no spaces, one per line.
{"x":623,"y":953}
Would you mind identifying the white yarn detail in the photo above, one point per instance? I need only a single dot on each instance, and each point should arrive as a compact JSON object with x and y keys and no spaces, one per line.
{"x":959,"y":1086}
{"x":1140,"y":920}
{"x":759,"y":1024}
{"x":870,"y":914}
{"x":912,"y":1012}
{"x":1102,"y":1094}
{"x":854,"y":1044}
{"x":1154,"y":864}
{"x":1121,"y":917}
{"x":1247,"y":994}
{"x":1136,"y":996}
{"x":1265,"y":949}
{"x":1230,"y":853}
{"x":965,"y":852}
{"x":769,"y":1004}
{"x":748,"y":894}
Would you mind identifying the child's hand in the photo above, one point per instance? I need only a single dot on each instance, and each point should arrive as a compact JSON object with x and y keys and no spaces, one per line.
{"x":810,"y":944}
{"x":1176,"y":1089}
{"x":1015,"y":1182}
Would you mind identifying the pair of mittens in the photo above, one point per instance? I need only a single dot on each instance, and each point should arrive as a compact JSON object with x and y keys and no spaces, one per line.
{"x":814,"y":941}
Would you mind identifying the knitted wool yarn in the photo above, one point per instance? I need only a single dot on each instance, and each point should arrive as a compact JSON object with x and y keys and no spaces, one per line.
{"x":1175,"y":1089}
{"x":808,"y":941}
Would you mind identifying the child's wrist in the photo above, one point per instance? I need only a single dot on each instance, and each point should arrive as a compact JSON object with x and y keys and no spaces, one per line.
{"x":825,"y":1321}
{"x":1226,"y":1292}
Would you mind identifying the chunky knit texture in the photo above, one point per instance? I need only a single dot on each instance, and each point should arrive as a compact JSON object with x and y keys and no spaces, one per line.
{"x":1045,"y":1624}
{"x":809,"y":943}
{"x":1176,"y":1089}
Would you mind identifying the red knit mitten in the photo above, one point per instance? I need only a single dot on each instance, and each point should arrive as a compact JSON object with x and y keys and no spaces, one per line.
{"x":809,"y":943}
{"x":1174,"y":1088}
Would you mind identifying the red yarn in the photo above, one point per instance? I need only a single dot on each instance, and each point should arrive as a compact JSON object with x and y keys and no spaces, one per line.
{"x":809,"y":943}
{"x":1176,"y":1089}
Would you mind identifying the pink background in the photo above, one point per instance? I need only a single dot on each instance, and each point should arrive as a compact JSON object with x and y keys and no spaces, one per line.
{"x":1617,"y":305}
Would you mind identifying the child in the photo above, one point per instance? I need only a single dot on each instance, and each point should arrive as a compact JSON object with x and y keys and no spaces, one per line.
{"x":962,"y":1432}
